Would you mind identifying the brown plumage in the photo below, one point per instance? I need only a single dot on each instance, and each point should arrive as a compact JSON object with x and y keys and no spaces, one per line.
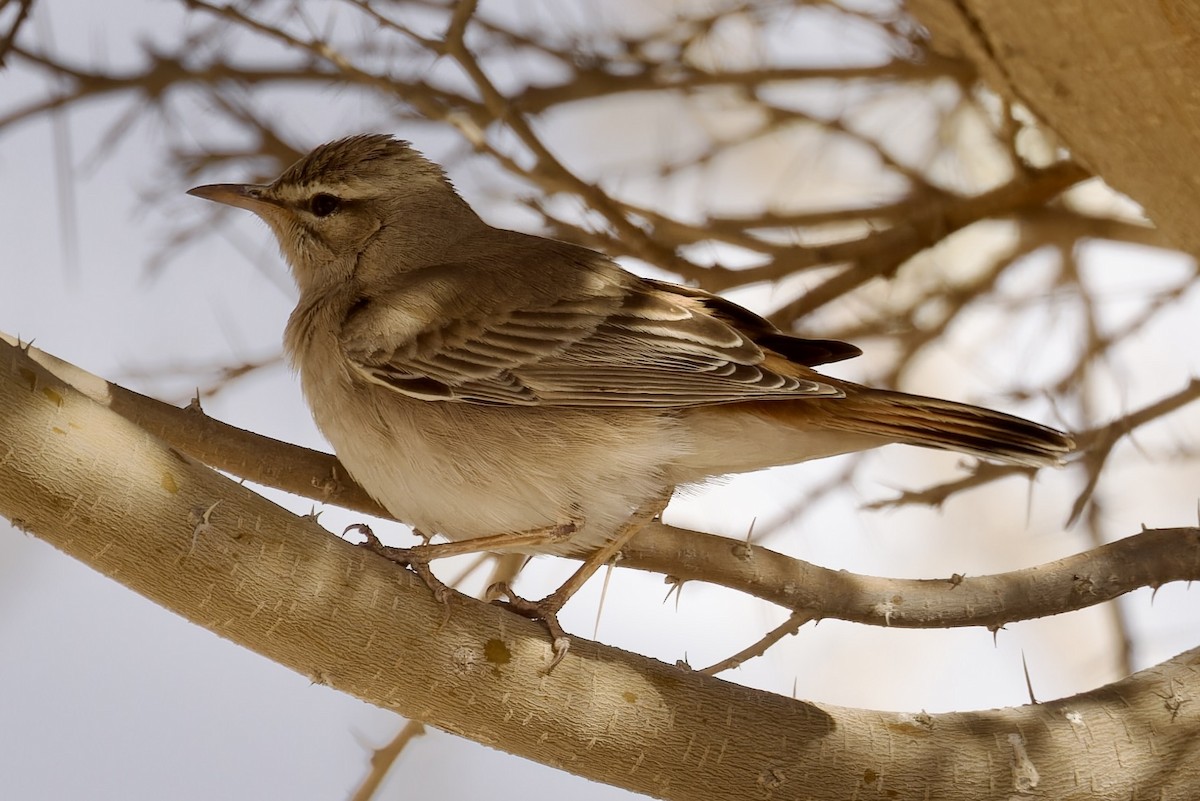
{"x":480,"y":381}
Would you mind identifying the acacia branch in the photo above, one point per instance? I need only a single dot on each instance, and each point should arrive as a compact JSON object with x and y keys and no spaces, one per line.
{"x":111,"y":495}
{"x":1149,"y":559}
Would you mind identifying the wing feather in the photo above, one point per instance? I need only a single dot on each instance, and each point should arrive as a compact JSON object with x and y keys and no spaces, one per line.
{"x":608,"y":339}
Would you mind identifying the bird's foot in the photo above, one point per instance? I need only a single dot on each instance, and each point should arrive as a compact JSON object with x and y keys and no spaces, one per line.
{"x":545,"y":610}
{"x":416,"y":559}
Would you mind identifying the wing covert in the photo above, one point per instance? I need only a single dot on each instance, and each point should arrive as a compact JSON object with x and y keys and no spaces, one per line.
{"x":613,"y":340}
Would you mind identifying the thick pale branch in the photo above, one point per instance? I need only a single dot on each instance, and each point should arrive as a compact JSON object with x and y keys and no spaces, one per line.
{"x":108,"y":493}
{"x":267,"y":461}
{"x":1117,"y":86}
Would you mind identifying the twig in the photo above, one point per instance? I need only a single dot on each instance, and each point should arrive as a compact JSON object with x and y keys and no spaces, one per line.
{"x":383,"y":758}
{"x":1098,"y":443}
{"x":790,"y":626}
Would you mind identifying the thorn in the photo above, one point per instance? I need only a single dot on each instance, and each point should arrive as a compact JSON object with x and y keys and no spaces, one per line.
{"x":603,"y":594}
{"x":676,"y":589}
{"x":194,"y":403}
{"x":200,"y":521}
{"x":745,"y":549}
{"x":1028,"y":681}
{"x":886,"y":609}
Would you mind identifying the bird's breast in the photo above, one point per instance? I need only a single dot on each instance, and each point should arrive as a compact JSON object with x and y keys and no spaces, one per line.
{"x":466,"y":470}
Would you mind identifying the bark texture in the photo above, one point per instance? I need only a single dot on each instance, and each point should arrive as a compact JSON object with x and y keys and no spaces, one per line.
{"x":1116,"y":82}
{"x":108,"y":493}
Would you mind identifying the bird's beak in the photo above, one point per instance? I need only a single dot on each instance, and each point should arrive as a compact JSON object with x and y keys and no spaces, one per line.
{"x":252,"y":197}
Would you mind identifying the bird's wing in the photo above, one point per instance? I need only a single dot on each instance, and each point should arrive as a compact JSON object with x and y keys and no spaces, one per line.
{"x":598,"y":337}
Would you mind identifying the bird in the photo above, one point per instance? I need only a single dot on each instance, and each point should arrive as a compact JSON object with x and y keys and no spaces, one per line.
{"x":481,"y":382}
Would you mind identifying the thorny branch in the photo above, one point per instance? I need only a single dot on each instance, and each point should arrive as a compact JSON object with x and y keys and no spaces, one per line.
{"x":771,"y":172}
{"x":1148,"y":559}
{"x":393,"y":655}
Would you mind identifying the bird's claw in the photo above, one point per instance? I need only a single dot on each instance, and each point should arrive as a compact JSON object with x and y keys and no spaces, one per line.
{"x":545,"y":611}
{"x":415,"y":559}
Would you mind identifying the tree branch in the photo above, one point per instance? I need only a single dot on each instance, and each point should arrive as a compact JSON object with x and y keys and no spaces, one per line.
{"x":1148,"y":559}
{"x":106,"y":492}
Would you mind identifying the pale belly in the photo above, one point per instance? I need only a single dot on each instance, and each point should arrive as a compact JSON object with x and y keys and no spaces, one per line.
{"x":468,"y":471}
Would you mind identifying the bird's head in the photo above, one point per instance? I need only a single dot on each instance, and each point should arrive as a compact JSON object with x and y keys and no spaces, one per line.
{"x":334,"y":205}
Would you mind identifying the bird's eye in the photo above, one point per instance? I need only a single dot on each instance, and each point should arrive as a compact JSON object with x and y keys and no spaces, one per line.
{"x":323,"y":205}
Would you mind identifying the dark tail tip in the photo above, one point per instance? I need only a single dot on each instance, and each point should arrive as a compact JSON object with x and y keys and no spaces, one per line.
{"x":973,"y":430}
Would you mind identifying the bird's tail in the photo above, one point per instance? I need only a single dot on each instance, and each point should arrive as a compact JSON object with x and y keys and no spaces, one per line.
{"x":934,"y":423}
{"x":777,"y":432}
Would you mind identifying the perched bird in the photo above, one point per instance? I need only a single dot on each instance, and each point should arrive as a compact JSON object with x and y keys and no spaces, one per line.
{"x":478,"y":381}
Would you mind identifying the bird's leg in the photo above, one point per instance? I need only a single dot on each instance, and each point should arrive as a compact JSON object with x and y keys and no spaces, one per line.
{"x":418,"y":557}
{"x":546,"y":610}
